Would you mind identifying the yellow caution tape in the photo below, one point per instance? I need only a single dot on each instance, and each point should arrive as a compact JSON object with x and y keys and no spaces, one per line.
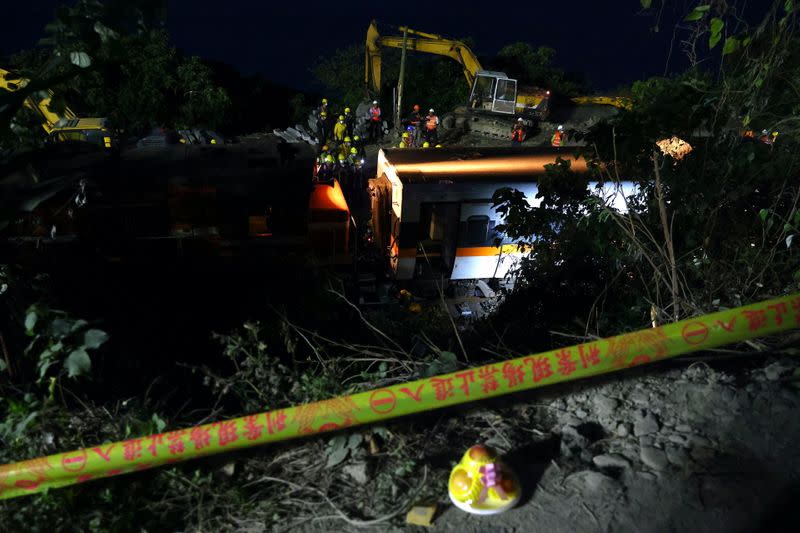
{"x":495,"y":379}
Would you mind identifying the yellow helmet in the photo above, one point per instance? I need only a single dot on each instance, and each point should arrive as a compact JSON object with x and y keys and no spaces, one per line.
{"x":325,"y":148}
{"x":346,"y":109}
{"x":325,"y":101}
{"x":401,"y":145}
{"x":405,"y":135}
{"x":353,"y":151}
{"x":426,"y":144}
{"x":438,"y":146}
{"x":356,"y":138}
{"x":347,"y":139}
{"x":329,"y":158}
{"x":341,"y":117}
{"x":323,"y":114}
{"x":341,"y":157}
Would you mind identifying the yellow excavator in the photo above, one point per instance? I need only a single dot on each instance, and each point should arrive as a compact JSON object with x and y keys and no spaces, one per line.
{"x":495,"y":100}
{"x":63,"y":126}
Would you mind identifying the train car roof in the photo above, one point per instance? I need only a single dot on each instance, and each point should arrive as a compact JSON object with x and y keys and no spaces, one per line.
{"x":480,"y":164}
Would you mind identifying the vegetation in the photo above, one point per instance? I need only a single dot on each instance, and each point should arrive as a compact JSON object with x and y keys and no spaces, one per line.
{"x":715,"y":228}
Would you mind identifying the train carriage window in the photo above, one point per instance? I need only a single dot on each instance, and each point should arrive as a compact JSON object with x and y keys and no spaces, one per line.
{"x":477,"y":229}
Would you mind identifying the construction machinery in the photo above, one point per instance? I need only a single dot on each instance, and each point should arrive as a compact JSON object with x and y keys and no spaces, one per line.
{"x":495,"y":100}
{"x":60,"y":126}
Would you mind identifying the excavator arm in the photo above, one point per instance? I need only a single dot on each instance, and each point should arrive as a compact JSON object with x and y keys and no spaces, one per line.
{"x":38,"y":102}
{"x":416,"y":41}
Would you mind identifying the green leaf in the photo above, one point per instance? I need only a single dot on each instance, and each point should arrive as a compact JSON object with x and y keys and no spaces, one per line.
{"x":336,"y":456}
{"x":3,"y":365}
{"x":105,"y":32}
{"x":60,"y":328}
{"x":787,"y":228}
{"x":354,"y":441}
{"x":716,"y":32}
{"x":160,"y":424}
{"x":78,"y":324}
{"x":78,"y":363}
{"x":763,"y":214}
{"x":43,"y":368}
{"x":646,"y":3}
{"x":788,"y":6}
{"x":716,"y":25}
{"x":697,"y":13}
{"x":30,"y":321}
{"x":759,"y":82}
{"x":94,"y":338}
{"x":730,"y":46}
{"x":80,"y":59}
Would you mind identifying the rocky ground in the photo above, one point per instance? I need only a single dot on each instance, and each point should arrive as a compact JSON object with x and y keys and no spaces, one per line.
{"x":679,"y":446}
{"x":687,"y":449}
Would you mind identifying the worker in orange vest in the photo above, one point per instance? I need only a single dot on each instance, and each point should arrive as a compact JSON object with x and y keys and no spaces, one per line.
{"x":558,"y":136}
{"x":518,"y":132}
{"x":431,"y":125}
{"x":374,"y":121}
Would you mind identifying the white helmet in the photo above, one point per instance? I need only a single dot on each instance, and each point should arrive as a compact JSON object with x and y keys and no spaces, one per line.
{"x":560,"y":127}
{"x":374,"y":102}
{"x":430,"y":110}
{"x":764,"y":132}
{"x":519,"y":119}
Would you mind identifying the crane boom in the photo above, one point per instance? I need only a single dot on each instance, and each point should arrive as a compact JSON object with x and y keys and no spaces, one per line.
{"x":417,"y":42}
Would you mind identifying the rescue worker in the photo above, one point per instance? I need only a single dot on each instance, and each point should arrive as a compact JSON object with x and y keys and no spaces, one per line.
{"x":415,"y":120}
{"x":323,"y":107}
{"x":431,"y":126}
{"x":349,"y":121}
{"x":343,"y":171}
{"x":357,"y":171}
{"x":323,"y":131}
{"x":326,"y":171}
{"x":518,"y":132}
{"x":359,"y":145}
{"x":405,"y":141}
{"x":323,"y":153}
{"x":340,"y":130}
{"x":374,"y":122}
{"x":768,"y":137}
{"x":558,"y":137}
{"x":345,"y":146}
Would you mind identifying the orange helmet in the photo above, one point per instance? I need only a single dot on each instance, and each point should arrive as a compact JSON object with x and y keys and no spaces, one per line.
{"x":416,"y":107}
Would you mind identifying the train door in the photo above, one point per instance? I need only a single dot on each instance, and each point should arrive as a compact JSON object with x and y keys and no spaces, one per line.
{"x":438,"y":235}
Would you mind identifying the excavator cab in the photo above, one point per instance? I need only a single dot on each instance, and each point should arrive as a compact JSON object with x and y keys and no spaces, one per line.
{"x":494,"y":92}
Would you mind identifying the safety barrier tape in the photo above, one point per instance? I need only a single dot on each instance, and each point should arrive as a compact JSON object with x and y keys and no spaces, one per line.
{"x":495,"y":379}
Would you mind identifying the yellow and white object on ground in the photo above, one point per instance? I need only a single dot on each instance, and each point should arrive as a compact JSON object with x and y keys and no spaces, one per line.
{"x":483,"y":484}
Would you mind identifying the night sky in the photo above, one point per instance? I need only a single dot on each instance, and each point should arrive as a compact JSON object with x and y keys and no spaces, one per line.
{"x":613,"y":43}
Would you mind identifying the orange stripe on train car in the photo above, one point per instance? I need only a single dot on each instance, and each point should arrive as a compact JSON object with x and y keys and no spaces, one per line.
{"x":483,"y":251}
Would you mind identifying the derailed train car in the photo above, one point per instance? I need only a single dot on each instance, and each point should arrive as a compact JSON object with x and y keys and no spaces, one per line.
{"x":238,"y":200}
{"x":432,"y":209}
